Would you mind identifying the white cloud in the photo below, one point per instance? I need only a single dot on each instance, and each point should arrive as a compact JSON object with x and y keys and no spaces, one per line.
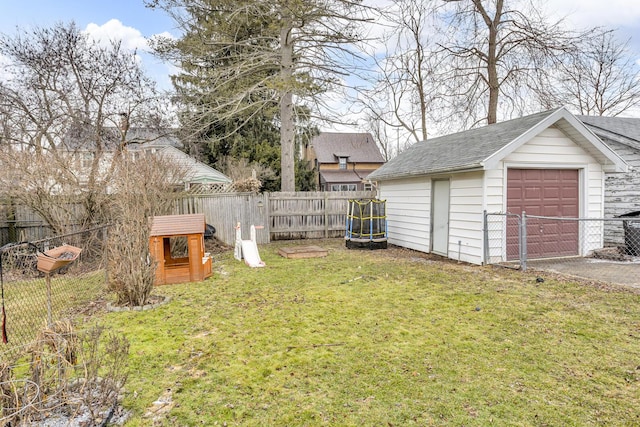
{"x":590,"y":13}
{"x":164,"y":35}
{"x":131,"y":38}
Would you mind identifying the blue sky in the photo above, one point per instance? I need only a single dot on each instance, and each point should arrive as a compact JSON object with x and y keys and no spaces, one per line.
{"x":136,"y":22}
{"x":132,"y":13}
{"x":128,"y":20}
{"x":132,"y":22}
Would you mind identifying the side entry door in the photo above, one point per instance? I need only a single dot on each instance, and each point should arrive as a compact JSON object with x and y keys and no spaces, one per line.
{"x":440,"y":217}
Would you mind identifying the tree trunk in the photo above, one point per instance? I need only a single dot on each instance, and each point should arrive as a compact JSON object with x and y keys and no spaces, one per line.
{"x":492,"y":59}
{"x":287,"y":132}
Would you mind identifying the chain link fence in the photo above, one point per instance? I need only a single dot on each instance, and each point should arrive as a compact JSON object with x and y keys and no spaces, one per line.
{"x":32,"y":300}
{"x":602,"y":249}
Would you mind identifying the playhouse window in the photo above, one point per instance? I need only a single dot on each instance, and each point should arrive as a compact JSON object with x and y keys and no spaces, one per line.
{"x":179,"y":247}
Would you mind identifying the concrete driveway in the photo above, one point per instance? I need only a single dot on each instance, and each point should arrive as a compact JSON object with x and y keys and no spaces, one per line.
{"x":625,"y":273}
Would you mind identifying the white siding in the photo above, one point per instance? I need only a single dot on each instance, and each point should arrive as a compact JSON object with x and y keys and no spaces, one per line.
{"x":495,"y":186}
{"x":465,"y":217}
{"x":550,"y":147}
{"x":495,"y":202}
{"x":408,"y":206}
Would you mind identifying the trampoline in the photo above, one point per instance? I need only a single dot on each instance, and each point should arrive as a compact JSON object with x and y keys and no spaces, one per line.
{"x":366,"y":224}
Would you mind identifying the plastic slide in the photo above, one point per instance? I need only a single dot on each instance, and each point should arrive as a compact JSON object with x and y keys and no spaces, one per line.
{"x":247,"y":249}
{"x":250,"y":254}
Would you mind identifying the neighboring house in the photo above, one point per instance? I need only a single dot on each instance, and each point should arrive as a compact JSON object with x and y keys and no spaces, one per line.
{"x":622,"y":134}
{"x":145,"y":142}
{"x":546,"y":164}
{"x":622,"y":195}
{"x":197,"y":174}
{"x":343,"y":160}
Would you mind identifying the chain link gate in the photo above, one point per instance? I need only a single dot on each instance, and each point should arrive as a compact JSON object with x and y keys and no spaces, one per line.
{"x":505,"y":240}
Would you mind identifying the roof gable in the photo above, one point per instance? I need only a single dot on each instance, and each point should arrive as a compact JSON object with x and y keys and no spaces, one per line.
{"x":356,"y":147}
{"x":196,"y":171}
{"x":482,"y":148}
{"x":625,"y":130}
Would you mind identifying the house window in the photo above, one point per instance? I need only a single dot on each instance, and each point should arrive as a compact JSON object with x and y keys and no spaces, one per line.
{"x":344,"y":187}
{"x":342,"y":162}
{"x":368,"y":186}
{"x":86,"y":159}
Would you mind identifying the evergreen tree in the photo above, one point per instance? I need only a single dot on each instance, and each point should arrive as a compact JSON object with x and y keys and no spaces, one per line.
{"x":249,"y":66}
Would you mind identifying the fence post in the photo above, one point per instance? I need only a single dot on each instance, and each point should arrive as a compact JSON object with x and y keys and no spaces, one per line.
{"x":48,"y":282}
{"x":267,"y":215}
{"x":485,"y":232}
{"x":105,"y":254}
{"x":326,"y":214}
{"x":523,"y":241}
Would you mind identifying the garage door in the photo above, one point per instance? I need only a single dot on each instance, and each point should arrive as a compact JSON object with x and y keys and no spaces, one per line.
{"x":544,"y":192}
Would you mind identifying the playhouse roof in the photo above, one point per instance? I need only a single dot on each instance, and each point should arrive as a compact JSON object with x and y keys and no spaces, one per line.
{"x":177,"y":225}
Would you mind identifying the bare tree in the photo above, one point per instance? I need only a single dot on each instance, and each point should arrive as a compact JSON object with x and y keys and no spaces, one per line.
{"x":599,"y":78}
{"x":405,"y":91}
{"x":67,"y":101}
{"x":495,"y":50}
{"x":380,"y":132}
{"x":142,"y":188}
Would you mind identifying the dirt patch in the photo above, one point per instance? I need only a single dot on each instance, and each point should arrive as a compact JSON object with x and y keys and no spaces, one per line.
{"x":215,"y":246}
{"x":614,"y":254}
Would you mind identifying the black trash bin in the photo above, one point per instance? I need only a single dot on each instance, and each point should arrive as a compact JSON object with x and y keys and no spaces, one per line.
{"x":631,"y":233}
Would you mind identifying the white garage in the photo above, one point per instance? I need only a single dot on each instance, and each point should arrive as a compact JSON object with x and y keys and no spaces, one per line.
{"x":546,"y":164}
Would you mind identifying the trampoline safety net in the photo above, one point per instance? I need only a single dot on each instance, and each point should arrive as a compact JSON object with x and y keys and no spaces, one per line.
{"x":366,"y":224}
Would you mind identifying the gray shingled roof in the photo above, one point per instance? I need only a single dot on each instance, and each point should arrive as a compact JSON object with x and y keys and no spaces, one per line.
{"x":349,"y":175}
{"x":458,"y":151}
{"x":79,"y":139}
{"x":153,"y":137}
{"x":624,"y":130}
{"x":195,"y":171}
{"x":472,"y":149}
{"x":358,"y":147}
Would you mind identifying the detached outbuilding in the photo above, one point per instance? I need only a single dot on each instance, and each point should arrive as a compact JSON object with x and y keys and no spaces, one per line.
{"x":546,"y":164}
{"x":176,"y":242}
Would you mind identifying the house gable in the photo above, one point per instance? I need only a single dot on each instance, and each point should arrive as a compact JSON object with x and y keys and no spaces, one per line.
{"x":329,"y":147}
{"x":343,"y":160}
{"x":573,"y":129}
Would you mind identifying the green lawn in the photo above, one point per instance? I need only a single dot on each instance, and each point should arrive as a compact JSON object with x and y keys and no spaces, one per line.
{"x":382,"y":338}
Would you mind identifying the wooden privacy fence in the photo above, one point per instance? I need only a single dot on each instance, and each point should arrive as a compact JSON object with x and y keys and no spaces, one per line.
{"x":299,"y":215}
{"x":20,"y":223}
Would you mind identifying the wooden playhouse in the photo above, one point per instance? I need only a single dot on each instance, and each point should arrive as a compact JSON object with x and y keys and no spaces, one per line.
{"x":177,"y":243}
